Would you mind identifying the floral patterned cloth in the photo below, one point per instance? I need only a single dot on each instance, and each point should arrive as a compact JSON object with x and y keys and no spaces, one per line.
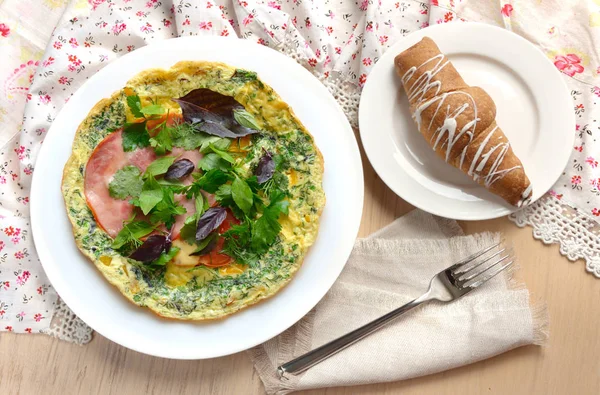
{"x":339,"y":41}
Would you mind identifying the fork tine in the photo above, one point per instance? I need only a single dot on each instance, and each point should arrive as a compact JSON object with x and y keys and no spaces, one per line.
{"x":474,"y":273}
{"x":476,"y":255}
{"x":490,"y":275}
{"x":466,"y":268}
{"x":476,"y":270}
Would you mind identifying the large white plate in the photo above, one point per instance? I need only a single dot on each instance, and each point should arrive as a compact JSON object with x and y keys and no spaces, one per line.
{"x":102,"y":307}
{"x":534,"y":109}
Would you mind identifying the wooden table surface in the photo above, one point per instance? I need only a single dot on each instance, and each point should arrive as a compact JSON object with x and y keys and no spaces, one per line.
{"x":569,"y":364}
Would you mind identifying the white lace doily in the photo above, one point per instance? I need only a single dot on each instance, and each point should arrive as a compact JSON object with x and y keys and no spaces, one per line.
{"x":553,"y":222}
{"x":67,"y":326}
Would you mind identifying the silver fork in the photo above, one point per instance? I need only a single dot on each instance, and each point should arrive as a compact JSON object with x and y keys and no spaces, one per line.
{"x":446,"y":286}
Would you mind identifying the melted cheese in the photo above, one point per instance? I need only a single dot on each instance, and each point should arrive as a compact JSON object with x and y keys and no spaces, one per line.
{"x":183,"y":257}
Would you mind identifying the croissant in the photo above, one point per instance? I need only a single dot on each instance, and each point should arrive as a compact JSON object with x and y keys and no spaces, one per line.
{"x":459,"y":122}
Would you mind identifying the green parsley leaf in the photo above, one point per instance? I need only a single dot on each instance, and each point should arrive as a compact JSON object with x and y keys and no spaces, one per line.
{"x":159,"y":166}
{"x":223,"y":195}
{"x":175,"y":186}
{"x":151,"y":194}
{"x":213,"y":161}
{"x":245,"y":119}
{"x":267,"y":227}
{"x":131,"y":234}
{"x":154,"y":109}
{"x":165,"y":257}
{"x":209,"y":182}
{"x":167,"y":209}
{"x":162,"y":141}
{"x":149,"y":199}
{"x":135,"y":136}
{"x":223,"y":154}
{"x":135,"y":105}
{"x":265,"y":231}
{"x":242,"y":194}
{"x":253,"y":183}
{"x":217,"y":142}
{"x":188,"y":230}
{"x":185,"y":136}
{"x":126,"y":182}
{"x":201,"y":204}
{"x":278,"y":202}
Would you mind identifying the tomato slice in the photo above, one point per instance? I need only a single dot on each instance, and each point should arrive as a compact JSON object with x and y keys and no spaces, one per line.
{"x":215,"y":258}
{"x":230,"y":220}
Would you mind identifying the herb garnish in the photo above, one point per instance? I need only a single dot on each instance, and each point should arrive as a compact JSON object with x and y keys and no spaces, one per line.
{"x":258,"y":200}
{"x":159,"y":166}
{"x":126,"y":182}
{"x":267,"y":227}
{"x":151,"y":249}
{"x":129,"y":237}
{"x":209,"y":221}
{"x":265,"y":169}
{"x":245,"y":119}
{"x":180,"y":169}
{"x":216,"y":114}
{"x":135,"y":135}
{"x":242,"y":194}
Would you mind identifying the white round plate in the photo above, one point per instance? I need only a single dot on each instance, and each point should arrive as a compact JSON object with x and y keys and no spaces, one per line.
{"x":102,"y":307}
{"x":534,"y":109}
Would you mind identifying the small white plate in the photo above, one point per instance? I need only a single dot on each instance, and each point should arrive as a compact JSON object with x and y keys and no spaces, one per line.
{"x":102,"y":307}
{"x":534,"y":109}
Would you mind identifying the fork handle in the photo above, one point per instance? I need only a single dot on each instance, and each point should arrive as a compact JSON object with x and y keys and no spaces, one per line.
{"x":311,"y":358}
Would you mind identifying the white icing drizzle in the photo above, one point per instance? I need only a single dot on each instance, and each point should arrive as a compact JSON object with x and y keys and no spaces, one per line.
{"x":423,"y":83}
{"x":480,"y":160}
{"x":526,"y":197}
{"x":446,"y":134}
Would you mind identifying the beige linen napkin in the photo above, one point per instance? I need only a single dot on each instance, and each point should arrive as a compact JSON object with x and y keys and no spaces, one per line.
{"x":386,"y":270}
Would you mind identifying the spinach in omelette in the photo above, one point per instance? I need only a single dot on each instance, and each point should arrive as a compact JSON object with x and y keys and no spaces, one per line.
{"x":194,"y":190}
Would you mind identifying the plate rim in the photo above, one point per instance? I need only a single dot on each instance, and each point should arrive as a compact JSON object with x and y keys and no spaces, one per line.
{"x":51,"y":268}
{"x":371,"y":155}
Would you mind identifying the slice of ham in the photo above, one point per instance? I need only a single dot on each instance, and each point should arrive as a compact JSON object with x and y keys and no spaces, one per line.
{"x":105,"y":161}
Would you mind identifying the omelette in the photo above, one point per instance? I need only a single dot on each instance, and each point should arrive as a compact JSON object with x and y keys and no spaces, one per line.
{"x":194,"y":190}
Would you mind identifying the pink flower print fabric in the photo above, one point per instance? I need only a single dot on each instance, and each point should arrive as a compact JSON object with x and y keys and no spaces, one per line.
{"x":26,"y":297}
{"x":569,"y":64}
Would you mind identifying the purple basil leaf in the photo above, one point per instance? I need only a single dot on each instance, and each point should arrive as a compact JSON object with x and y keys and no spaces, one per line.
{"x":212,"y":101}
{"x":168,"y":243}
{"x":212,"y":123}
{"x":265,"y":169}
{"x":150,"y":249}
{"x":194,"y":114}
{"x":217,"y":129}
{"x":212,"y":113}
{"x":241,"y":131}
{"x":179,"y":169}
{"x":209,"y":221}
